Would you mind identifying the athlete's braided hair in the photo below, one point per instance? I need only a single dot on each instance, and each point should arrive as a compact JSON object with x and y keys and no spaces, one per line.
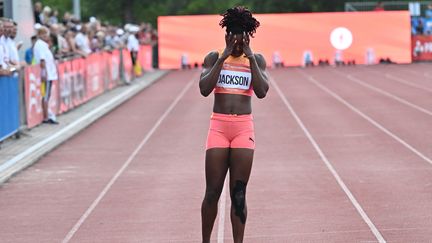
{"x":239,"y":19}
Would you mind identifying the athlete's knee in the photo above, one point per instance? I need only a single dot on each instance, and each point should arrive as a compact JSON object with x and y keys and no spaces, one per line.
{"x":212,"y":195}
{"x":238,"y":200}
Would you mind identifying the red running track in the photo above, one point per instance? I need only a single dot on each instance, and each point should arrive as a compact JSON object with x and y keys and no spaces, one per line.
{"x":336,"y":161}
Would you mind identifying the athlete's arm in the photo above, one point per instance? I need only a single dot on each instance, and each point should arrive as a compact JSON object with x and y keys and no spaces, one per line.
{"x":258,"y":69}
{"x":213,"y":65}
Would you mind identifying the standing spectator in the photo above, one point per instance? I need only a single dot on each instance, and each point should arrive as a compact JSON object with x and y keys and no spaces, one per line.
{"x":132,"y":44}
{"x":11,"y":45}
{"x":307,"y":58}
{"x":45,"y":59}
{"x":338,"y":58}
{"x":277,"y":60}
{"x":118,"y":39}
{"x":62,"y":45}
{"x":109,"y":38}
{"x":29,"y":51}
{"x":37,"y":12}
{"x":82,"y":40}
{"x":379,"y":6}
{"x":3,"y":42}
{"x":70,"y":39}
{"x":4,"y":67}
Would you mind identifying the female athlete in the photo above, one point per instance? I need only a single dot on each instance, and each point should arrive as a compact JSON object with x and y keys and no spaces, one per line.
{"x":234,"y":74}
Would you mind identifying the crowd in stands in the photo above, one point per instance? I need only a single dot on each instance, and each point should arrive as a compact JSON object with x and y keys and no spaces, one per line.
{"x":70,"y":36}
{"x":9,"y":58}
{"x":422,"y":25}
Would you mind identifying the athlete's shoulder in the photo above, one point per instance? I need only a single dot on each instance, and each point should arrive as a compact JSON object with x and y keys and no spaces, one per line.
{"x":211,"y":58}
{"x":260,"y":60}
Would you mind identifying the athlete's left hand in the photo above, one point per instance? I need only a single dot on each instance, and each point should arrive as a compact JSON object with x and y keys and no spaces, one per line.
{"x":246,"y":48}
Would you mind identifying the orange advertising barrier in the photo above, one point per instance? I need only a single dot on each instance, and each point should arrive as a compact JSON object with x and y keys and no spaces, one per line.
{"x":422,"y":47}
{"x":33,"y":96}
{"x":354,"y":34}
{"x":127,"y":64}
{"x":145,"y":57}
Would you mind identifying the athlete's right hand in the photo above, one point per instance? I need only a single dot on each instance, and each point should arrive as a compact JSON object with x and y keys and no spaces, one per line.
{"x":230,"y":40}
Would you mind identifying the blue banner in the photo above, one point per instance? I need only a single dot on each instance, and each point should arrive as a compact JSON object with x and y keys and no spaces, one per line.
{"x":9,"y":106}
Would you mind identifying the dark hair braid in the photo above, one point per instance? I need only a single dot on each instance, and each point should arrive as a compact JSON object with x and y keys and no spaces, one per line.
{"x":239,"y":19}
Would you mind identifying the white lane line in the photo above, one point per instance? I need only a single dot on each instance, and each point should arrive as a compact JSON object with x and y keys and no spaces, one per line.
{"x":221,"y":221}
{"x":401,"y":80}
{"x":66,"y":129}
{"x":425,"y":74}
{"x":339,"y":180}
{"x":366,"y":117}
{"x":78,"y":224}
{"x":397,"y":98}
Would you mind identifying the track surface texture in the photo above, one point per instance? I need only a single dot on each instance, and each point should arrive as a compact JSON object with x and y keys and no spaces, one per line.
{"x":343,"y":155}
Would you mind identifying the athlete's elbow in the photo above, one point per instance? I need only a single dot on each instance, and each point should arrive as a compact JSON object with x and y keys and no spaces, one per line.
{"x":261,"y":95}
{"x":204,"y":92}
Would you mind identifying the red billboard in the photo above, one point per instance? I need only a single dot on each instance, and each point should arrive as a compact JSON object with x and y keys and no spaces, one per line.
{"x":354,"y":35}
{"x":422,"y":47}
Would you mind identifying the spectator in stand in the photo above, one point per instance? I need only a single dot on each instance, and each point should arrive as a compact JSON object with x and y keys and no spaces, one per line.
{"x":29,"y":51}
{"x":119,"y":38}
{"x":379,"y":6}
{"x":45,"y":15}
{"x":109,"y":38}
{"x":4,"y":42}
{"x":82,"y":40}
{"x":11,"y":45}
{"x":97,"y":43}
{"x":67,"y":19}
{"x":4,"y":67}
{"x":428,"y":12}
{"x":37,"y":12}
{"x":53,"y":17}
{"x":45,"y":59}
{"x":70,"y":39}
{"x":62,"y":48}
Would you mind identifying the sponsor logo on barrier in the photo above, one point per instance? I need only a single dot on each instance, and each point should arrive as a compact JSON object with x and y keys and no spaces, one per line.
{"x":79,"y":80}
{"x":422,"y":48}
{"x":34,"y":96}
{"x":341,"y":38}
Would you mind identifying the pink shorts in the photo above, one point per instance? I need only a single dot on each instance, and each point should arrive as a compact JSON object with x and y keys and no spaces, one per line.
{"x":231,"y":131}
